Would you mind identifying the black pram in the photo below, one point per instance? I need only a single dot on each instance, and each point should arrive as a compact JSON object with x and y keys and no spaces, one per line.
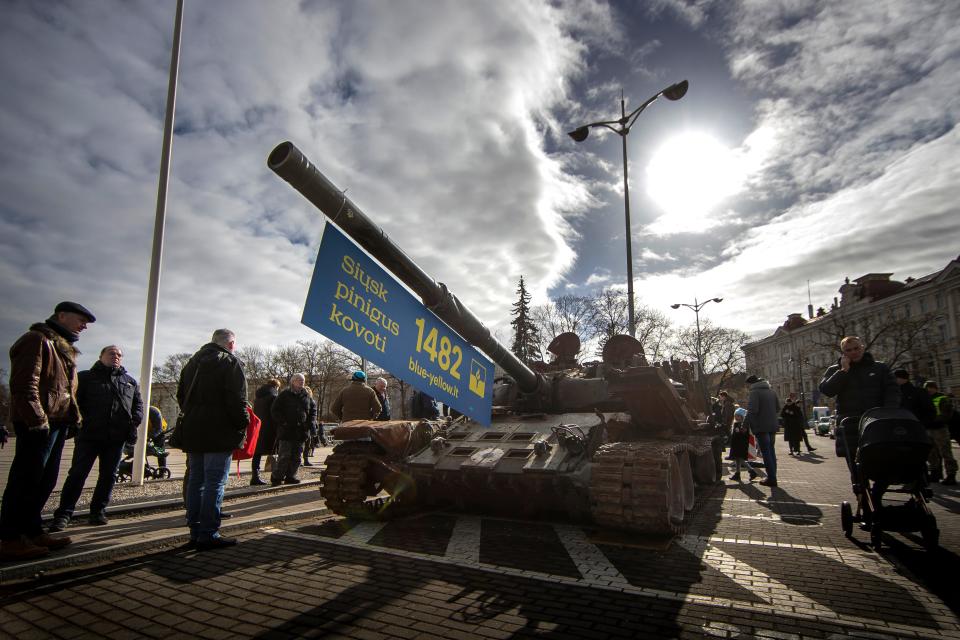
{"x":155,"y":447}
{"x":889,"y":456}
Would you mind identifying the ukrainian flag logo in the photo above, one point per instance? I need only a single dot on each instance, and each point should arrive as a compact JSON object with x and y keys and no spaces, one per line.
{"x":478,"y":378}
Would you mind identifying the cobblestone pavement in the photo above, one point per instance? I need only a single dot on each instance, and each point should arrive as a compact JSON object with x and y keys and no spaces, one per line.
{"x":751,"y":563}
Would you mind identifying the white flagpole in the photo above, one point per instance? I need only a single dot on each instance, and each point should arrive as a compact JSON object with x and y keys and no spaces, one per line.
{"x":149,"y":329}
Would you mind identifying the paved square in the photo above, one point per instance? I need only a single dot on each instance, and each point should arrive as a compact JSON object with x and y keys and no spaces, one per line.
{"x":752,"y":562}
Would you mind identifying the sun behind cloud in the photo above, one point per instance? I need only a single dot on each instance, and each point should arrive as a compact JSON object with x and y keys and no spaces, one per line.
{"x":688,"y":177}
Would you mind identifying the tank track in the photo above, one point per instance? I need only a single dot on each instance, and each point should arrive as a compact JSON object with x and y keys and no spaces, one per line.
{"x":648,"y":486}
{"x":347,"y":484}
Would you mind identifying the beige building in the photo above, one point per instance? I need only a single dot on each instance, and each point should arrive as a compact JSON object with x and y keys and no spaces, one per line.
{"x":914,"y":324}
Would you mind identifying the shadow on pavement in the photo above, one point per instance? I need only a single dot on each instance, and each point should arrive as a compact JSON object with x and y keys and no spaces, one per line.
{"x":949,"y":502}
{"x":939,"y":569}
{"x":791,"y":510}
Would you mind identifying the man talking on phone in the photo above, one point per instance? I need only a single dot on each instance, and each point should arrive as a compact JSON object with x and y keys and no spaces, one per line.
{"x":858,"y":382}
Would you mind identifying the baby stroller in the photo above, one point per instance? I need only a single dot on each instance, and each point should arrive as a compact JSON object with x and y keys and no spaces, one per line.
{"x":890,"y":456}
{"x":155,"y":447}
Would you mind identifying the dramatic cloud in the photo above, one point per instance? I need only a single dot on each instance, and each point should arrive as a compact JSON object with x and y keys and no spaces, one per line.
{"x":436,"y":132}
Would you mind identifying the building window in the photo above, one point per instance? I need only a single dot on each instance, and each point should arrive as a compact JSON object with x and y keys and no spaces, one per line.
{"x":939,"y":299}
{"x":943,"y":333}
{"x":906,"y":310}
{"x":948,"y":368}
{"x":923,"y":305}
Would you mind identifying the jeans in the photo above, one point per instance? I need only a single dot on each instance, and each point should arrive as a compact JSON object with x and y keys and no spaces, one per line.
{"x":288,"y":460}
{"x":85,"y":452}
{"x":765,"y":443}
{"x":207,"y":479}
{"x":33,"y":475}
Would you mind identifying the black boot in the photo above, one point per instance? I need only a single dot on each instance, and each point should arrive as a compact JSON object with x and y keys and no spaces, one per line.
{"x":255,"y":480}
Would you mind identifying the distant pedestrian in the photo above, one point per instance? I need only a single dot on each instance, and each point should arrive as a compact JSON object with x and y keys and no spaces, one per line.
{"x":727,"y":409}
{"x":44,"y":413}
{"x":267,"y":441}
{"x":112,"y":410}
{"x":292,"y":415}
{"x":803,"y":423}
{"x":740,"y":446}
{"x":793,"y":425}
{"x":212,"y":394}
{"x":942,"y":463}
{"x":312,"y":440}
{"x":356,"y":401}
{"x":859,"y":383}
{"x":380,"y":386}
{"x":762,"y":409}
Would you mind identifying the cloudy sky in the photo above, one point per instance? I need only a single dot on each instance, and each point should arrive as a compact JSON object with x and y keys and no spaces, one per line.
{"x":818,"y":140}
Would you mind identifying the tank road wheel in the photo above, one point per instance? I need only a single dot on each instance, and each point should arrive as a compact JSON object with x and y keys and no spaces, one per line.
{"x":705,"y":458}
{"x":349,"y":480}
{"x":638,"y":486}
{"x":846,"y":518}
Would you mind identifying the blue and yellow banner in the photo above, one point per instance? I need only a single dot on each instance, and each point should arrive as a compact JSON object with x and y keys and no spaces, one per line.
{"x":360,"y":306}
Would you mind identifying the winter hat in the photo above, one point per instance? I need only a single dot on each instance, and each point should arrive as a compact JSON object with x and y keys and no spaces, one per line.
{"x":359,"y":375}
{"x":752,"y":378}
{"x":73,"y":307}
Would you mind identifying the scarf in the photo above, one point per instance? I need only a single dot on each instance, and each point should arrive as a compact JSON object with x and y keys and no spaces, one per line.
{"x":70,"y":336}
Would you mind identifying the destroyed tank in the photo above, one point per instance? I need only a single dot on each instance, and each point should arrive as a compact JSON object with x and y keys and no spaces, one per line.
{"x":611,"y":443}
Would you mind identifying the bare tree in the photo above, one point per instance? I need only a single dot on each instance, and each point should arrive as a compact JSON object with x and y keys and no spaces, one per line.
{"x":256,"y":361}
{"x":720,"y":349}
{"x":610,"y":317}
{"x":569,"y":313}
{"x":889,"y":337}
{"x":654,"y":332}
{"x":166,"y":376}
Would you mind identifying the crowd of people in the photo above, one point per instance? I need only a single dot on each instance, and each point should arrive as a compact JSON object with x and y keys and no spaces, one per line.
{"x":858,"y":383}
{"x":102,"y":409}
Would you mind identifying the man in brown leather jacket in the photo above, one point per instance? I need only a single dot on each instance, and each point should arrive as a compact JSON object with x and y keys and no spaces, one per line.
{"x":356,"y":401}
{"x":44,"y":413}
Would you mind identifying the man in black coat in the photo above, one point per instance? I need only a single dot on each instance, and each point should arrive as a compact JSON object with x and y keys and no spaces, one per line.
{"x":293,"y":412}
{"x":212,"y":395}
{"x":267,"y":442}
{"x":858,"y":382}
{"x":112,"y":410}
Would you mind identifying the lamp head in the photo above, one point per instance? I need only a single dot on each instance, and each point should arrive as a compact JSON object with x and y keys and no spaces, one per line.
{"x":675,"y":306}
{"x":676,"y":91}
{"x":579,"y":134}
{"x":718,"y":299}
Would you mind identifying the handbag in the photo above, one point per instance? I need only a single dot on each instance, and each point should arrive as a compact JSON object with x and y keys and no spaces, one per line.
{"x":175,"y":440}
{"x":249,"y":445}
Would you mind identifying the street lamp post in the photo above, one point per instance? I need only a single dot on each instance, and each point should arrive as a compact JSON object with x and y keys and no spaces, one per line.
{"x":621,"y":127}
{"x":696,"y":306}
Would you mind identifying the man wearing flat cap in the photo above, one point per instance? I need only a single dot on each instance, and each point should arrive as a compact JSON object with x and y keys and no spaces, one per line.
{"x":44,"y":412}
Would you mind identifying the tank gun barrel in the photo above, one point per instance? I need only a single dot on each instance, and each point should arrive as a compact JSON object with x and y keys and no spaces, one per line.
{"x":288,"y":162}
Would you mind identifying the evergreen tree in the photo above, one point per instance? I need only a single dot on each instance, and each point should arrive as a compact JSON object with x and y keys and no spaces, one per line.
{"x":526,"y":340}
